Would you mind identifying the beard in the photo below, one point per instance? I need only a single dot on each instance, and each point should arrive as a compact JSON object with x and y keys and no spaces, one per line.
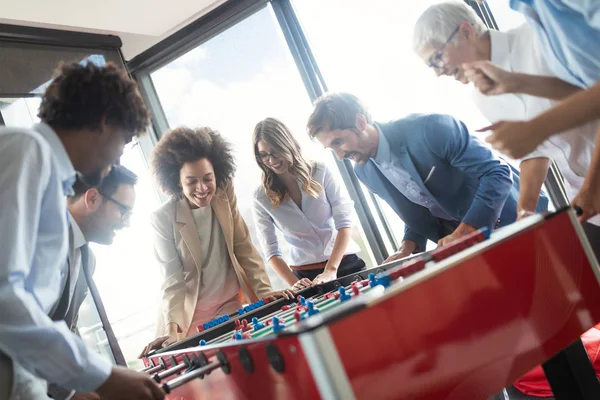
{"x":91,"y":180}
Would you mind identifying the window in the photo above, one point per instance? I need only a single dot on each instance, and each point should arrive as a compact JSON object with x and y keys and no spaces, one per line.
{"x":505,"y":17}
{"x":125,"y":274}
{"x":366,"y":49}
{"x":21,"y":112}
{"x":230,"y":83}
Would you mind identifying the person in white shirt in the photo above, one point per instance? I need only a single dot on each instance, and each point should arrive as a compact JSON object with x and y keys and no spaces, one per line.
{"x":88,"y":114}
{"x":95,"y":214}
{"x":467,"y":40}
{"x":310,"y":207}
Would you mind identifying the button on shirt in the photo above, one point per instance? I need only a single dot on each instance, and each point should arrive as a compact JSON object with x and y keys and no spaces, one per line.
{"x":401,"y":179}
{"x":518,"y":50}
{"x":569,"y":33}
{"x":35,"y":176}
{"x":312,"y":230}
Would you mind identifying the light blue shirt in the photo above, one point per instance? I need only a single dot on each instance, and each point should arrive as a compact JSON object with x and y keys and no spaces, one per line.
{"x":312,"y":230}
{"x":569,"y":33}
{"x":35,"y":176}
{"x":402,"y":180}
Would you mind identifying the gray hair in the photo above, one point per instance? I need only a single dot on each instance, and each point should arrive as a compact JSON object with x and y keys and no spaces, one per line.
{"x":438,"y":22}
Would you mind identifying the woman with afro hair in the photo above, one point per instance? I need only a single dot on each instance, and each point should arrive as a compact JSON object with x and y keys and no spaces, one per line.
{"x":201,"y":241}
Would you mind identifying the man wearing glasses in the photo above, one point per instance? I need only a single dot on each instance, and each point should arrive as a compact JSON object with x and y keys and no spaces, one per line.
{"x":95,"y":215}
{"x":517,"y":51}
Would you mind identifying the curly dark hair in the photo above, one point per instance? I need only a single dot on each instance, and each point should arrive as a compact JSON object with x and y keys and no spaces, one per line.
{"x":183,"y":144}
{"x":85,"y":96}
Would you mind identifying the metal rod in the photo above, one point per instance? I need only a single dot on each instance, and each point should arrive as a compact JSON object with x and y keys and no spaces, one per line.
{"x":155,"y":369}
{"x":183,"y":379}
{"x":171,"y":371}
{"x":145,"y":370}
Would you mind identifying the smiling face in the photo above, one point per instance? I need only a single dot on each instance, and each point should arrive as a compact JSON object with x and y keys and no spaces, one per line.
{"x":272,"y":158}
{"x":198,"y":182}
{"x":352,"y":144}
{"x":448,"y":59}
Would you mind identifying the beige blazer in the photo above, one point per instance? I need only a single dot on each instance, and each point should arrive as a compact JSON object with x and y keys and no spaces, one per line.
{"x":177,"y":250}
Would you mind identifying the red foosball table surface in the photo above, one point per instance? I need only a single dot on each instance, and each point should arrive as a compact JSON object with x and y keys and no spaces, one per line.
{"x":459,"y":325}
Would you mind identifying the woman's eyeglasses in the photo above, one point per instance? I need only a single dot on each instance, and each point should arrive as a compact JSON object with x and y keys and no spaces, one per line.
{"x":262,"y":156}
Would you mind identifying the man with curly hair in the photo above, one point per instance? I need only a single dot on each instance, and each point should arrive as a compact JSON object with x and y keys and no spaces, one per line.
{"x":88,"y":114}
{"x":201,"y":241}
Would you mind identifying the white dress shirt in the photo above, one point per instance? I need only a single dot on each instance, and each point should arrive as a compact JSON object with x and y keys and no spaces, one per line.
{"x":312,"y":230}
{"x":517,"y":50}
{"x":35,"y":176}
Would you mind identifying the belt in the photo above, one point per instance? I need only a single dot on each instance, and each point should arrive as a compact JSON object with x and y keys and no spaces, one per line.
{"x":309,"y":267}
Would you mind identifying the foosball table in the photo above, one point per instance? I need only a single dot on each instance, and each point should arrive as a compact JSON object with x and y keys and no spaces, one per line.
{"x":460,"y":322}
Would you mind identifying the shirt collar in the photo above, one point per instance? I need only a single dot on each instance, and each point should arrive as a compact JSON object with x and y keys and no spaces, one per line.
{"x":66,"y":172}
{"x":383,"y":155}
{"x":78,"y":237}
{"x":500,"y":49}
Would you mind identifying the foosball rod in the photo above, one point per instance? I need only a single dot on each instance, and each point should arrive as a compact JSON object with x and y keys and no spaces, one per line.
{"x":190,"y":376}
{"x":185,"y":364}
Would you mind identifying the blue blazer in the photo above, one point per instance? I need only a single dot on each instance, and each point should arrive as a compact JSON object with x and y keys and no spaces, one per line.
{"x":469,"y":182}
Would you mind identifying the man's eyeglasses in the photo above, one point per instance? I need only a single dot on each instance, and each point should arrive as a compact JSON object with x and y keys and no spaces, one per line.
{"x":437,"y":59}
{"x":125,"y":210}
{"x":265,"y":156}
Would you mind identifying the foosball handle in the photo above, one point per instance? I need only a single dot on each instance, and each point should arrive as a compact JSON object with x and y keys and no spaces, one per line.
{"x":578,"y":210}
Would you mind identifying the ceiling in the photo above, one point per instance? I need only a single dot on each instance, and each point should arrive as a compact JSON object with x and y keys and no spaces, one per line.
{"x":139,"y":23}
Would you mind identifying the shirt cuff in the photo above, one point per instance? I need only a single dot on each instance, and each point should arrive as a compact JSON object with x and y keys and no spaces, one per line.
{"x":97,"y":372}
{"x":421,"y":241}
{"x":480,"y":215}
{"x":272,"y":253}
{"x":540,"y":152}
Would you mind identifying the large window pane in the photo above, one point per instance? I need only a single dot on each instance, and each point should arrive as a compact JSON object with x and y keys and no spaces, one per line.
{"x":125,"y":274}
{"x":366,"y":48}
{"x":505,"y":17}
{"x":20,"y":112}
{"x":231,"y":82}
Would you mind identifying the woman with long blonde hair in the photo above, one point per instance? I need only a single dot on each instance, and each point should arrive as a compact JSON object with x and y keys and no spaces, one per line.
{"x":310,"y":207}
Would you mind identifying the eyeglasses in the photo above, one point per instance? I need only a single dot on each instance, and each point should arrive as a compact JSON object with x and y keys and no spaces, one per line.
{"x":437,"y":59}
{"x":265,"y":156}
{"x":125,"y":210}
